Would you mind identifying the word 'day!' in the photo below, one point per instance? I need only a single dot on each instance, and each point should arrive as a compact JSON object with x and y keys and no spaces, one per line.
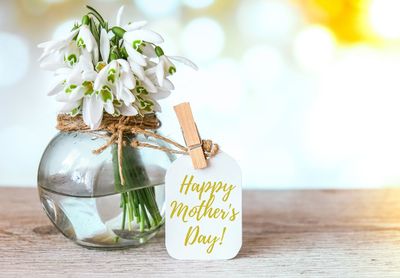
{"x":204,"y":209}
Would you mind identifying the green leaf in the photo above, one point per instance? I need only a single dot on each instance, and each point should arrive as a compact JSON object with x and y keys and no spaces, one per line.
{"x":96,"y":34}
{"x":98,"y":16}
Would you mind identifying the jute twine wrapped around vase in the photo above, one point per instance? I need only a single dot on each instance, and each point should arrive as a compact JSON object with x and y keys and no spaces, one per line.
{"x":117,"y":127}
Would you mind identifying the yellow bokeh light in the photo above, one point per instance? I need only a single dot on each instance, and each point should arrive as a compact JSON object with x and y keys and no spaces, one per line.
{"x":345,"y":18}
{"x":384,"y":18}
{"x":354,"y":21}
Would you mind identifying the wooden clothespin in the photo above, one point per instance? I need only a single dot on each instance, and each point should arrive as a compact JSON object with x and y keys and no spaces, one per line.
{"x":191,"y":135}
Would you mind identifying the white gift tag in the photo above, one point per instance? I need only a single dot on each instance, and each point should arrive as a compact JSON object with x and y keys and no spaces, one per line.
{"x":204,"y":209}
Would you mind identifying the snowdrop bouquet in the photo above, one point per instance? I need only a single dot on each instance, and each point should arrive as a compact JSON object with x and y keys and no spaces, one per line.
{"x":120,"y":73}
{"x":119,"y":70}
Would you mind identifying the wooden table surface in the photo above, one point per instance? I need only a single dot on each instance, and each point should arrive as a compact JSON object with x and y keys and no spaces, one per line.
{"x":329,"y":233}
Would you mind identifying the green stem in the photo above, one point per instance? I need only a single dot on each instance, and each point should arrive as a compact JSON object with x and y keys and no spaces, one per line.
{"x":138,"y":198}
{"x":146,"y":217}
{"x":123,"y":196}
{"x":130,"y":212}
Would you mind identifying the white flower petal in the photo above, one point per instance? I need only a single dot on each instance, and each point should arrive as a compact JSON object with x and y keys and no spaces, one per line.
{"x":64,"y":71}
{"x":160,"y":73}
{"x":148,"y":51}
{"x":95,"y":55}
{"x":128,"y":80}
{"x":101,"y":78}
{"x":109,"y":107}
{"x":135,"y":25}
{"x":151,"y":71}
{"x":44,"y":55}
{"x":150,"y":64}
{"x":124,"y":64}
{"x":156,"y":107}
{"x":55,"y":88}
{"x":76,"y":94}
{"x":119,"y":15}
{"x":144,"y":35}
{"x":75,"y":77}
{"x":161,"y":95}
{"x":92,"y":111}
{"x":128,"y":110}
{"x":86,"y":54}
{"x":118,"y":90}
{"x":85,"y":63}
{"x":167,"y":65}
{"x":89,"y":75}
{"x":48,"y":44}
{"x":136,"y":56}
{"x":104,"y":45}
{"x":184,"y":61}
{"x":167,"y":84}
{"x":86,"y":110}
{"x":70,"y":35}
{"x":56,"y":45}
{"x":149,"y":85}
{"x":69,"y":106}
{"x":127,"y":96}
{"x":62,"y":97}
{"x":87,"y":37}
{"x":53,"y":62}
{"x":136,"y":68}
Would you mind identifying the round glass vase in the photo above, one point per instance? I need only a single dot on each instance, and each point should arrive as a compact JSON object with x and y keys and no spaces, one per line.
{"x":82,"y":194}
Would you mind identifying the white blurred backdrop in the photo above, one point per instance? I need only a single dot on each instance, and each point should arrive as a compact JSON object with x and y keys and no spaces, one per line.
{"x":304,"y":94}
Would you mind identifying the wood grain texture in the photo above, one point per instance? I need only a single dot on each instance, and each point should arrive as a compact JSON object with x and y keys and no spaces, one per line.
{"x":331,"y":233}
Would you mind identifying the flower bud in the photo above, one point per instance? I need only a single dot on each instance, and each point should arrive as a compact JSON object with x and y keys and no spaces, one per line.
{"x":118,"y":31}
{"x":85,"y":20}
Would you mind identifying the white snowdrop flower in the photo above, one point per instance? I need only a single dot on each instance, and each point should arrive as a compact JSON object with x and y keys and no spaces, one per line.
{"x":133,"y":39}
{"x":130,"y":26}
{"x":74,"y":84}
{"x":119,"y":70}
{"x":58,"y":52}
{"x":53,"y":46}
{"x":67,"y":50}
{"x":165,"y":67}
{"x":87,"y":42}
{"x":116,"y":79}
{"x":161,"y":90}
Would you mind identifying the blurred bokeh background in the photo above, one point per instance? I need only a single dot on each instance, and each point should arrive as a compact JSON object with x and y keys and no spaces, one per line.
{"x":303,"y":93}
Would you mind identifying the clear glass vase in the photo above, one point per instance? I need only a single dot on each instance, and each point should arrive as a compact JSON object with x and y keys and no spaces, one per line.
{"x":82,"y":194}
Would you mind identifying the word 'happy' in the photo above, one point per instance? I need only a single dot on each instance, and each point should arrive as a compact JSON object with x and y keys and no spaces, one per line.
{"x":204,"y":187}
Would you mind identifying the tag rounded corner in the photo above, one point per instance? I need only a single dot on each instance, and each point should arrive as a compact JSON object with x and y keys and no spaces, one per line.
{"x":236,"y":253}
{"x":171,"y":254}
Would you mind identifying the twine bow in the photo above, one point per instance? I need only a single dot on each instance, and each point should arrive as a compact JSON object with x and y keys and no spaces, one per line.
{"x":118,"y":127}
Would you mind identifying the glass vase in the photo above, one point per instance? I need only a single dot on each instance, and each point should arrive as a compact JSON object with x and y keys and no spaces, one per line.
{"x":82,"y":194}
